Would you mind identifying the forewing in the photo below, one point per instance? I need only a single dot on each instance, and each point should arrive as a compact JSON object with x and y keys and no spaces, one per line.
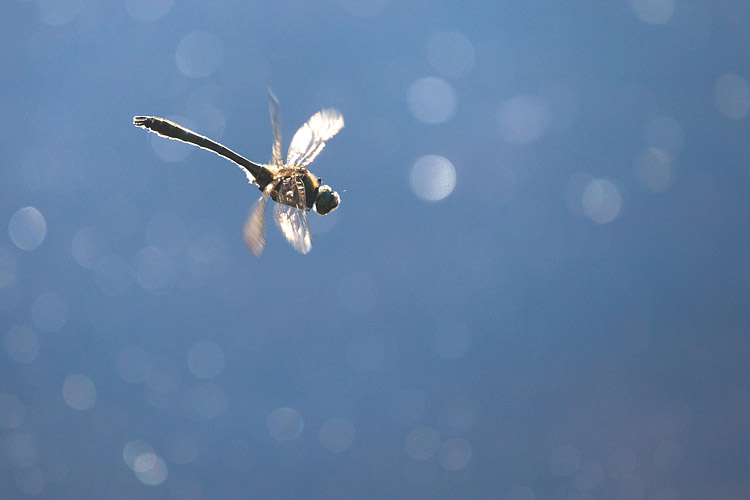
{"x":273,"y":105}
{"x":254,"y":232}
{"x":292,"y":222}
{"x":310,"y":139}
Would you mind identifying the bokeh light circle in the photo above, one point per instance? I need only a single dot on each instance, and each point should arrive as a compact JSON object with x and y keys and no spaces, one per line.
{"x":601,"y":201}
{"x":79,"y":392}
{"x":27,"y":228}
{"x":523,"y":119}
{"x":284,"y":424}
{"x":431,"y":100}
{"x":432,"y":178}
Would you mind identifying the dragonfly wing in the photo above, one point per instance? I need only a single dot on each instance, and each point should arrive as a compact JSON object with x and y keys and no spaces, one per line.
{"x":273,"y":105}
{"x":254,"y":232}
{"x":289,"y":213}
{"x":292,"y":222}
{"x":310,"y":139}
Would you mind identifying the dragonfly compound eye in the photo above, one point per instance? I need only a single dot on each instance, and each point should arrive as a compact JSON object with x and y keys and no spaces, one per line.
{"x":327,"y":200}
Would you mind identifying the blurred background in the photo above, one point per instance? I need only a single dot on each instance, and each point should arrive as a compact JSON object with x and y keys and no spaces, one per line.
{"x":536,"y":285}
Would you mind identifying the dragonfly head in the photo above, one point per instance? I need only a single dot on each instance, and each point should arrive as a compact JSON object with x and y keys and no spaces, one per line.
{"x":327,"y":200}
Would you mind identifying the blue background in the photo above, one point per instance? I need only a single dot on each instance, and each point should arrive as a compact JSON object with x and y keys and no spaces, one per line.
{"x":563,"y":357}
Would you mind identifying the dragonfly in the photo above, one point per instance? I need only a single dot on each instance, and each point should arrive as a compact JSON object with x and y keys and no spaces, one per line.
{"x":295,"y":189}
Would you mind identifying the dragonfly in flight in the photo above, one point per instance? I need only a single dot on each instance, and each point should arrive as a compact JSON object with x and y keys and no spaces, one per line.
{"x":294,"y":188}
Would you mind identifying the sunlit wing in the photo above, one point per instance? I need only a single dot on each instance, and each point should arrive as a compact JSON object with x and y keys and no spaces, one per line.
{"x":273,"y":105}
{"x":254,"y":232}
{"x":289,"y":215}
{"x":292,"y":222}
{"x":310,"y":139}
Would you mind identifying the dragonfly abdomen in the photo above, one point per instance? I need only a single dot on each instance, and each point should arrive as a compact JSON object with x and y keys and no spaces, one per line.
{"x":172,"y":130}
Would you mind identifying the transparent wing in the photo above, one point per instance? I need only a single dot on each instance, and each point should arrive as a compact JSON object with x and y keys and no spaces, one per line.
{"x":273,"y":105}
{"x":254,"y":232}
{"x":292,"y":222}
{"x":310,"y":139}
{"x":289,"y":214}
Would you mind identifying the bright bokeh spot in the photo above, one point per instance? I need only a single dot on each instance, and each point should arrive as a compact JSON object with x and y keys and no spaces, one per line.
{"x":284,"y":424}
{"x":150,"y":469}
{"x":523,"y":119}
{"x":732,"y":96}
{"x":199,"y":54}
{"x":653,"y":11}
{"x":79,"y":392}
{"x":450,"y":53}
{"x":21,"y":344}
{"x":432,"y":177}
{"x":27,"y":228}
{"x":134,"y":449}
{"x":431,"y":100}
{"x":601,"y":201}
